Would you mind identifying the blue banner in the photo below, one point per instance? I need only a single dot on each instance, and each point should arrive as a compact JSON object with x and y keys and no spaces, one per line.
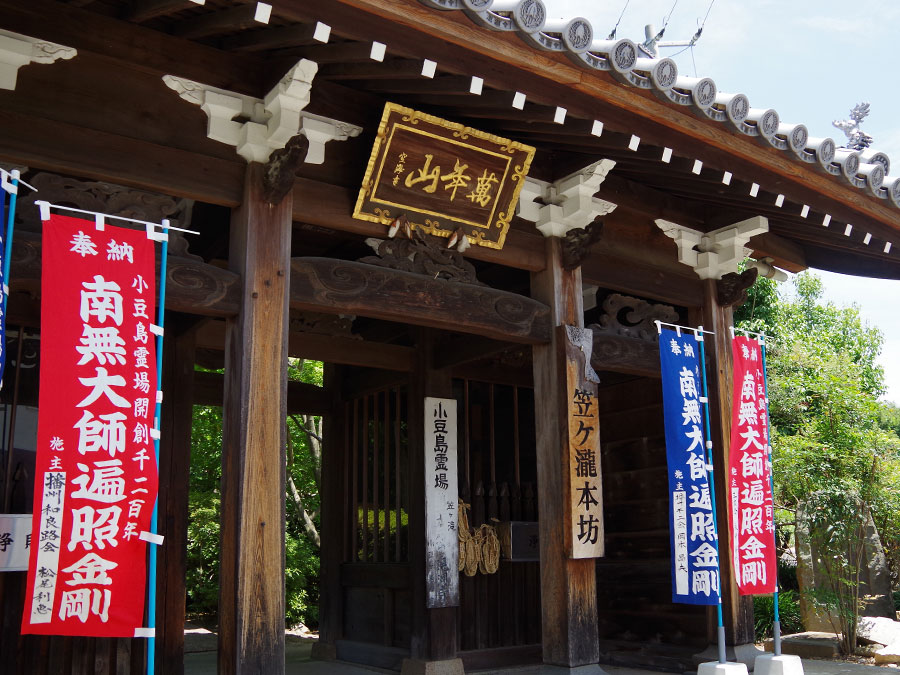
{"x":692,"y":529}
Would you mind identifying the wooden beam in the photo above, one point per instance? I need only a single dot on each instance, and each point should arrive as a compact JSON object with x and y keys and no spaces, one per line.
{"x":336,"y":286}
{"x":568,"y":586}
{"x":251,"y":578}
{"x":630,"y":275}
{"x":192,"y":286}
{"x":218,"y":21}
{"x":327,"y":348}
{"x":78,"y":151}
{"x":621,"y":354}
{"x":302,"y":398}
{"x":276,"y":37}
{"x":786,"y":254}
{"x":334,"y":204}
{"x":144,"y":10}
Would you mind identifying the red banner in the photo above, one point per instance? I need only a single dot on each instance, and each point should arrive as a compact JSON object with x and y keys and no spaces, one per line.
{"x":750,"y":492}
{"x":95,"y":479}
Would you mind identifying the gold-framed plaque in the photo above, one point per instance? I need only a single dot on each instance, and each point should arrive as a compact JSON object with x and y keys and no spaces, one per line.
{"x":442,"y":177}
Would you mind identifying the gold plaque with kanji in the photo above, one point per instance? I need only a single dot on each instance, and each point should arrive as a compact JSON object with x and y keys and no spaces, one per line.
{"x":442,"y":177}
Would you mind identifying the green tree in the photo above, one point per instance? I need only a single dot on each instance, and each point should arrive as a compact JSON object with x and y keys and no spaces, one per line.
{"x":302,"y":540}
{"x":834,"y":447}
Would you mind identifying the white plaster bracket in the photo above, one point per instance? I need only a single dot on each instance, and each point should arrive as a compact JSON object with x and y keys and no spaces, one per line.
{"x":19,"y":50}
{"x":568,"y":203}
{"x":258,"y":127}
{"x":714,"y":254}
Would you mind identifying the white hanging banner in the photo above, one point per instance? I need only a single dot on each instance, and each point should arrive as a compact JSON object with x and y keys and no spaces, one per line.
{"x":15,"y":541}
{"x":441,"y":495}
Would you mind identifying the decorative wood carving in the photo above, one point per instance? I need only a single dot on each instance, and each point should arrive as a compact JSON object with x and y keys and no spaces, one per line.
{"x":106,"y":198}
{"x":633,"y":317}
{"x":337,"y":286}
{"x":576,"y":246}
{"x":323,"y":324}
{"x":281,"y":169}
{"x":731,"y":289}
{"x":421,"y":254}
{"x":192,"y":286}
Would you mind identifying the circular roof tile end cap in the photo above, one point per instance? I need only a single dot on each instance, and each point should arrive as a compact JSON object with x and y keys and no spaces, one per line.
{"x":848,"y":161}
{"x":870,"y":156}
{"x":478,"y":5}
{"x":529,"y":15}
{"x":737,"y":106}
{"x":797,"y":136}
{"x":892,"y":184}
{"x":663,"y":72}
{"x":703,"y":90}
{"x":874,"y":174}
{"x":767,"y":121}
{"x":621,"y":54}
{"x":824,"y":148}
{"x":578,"y":35}
{"x":447,"y":5}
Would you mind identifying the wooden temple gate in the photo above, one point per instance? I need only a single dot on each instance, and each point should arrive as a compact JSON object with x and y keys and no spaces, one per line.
{"x":137,"y":117}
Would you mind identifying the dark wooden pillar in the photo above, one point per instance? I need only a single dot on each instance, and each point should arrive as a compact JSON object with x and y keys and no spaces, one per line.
{"x":251,"y":600}
{"x":332,"y":498}
{"x":433,"y":635}
{"x":737,"y":610}
{"x":568,"y":587}
{"x":174,"y":484}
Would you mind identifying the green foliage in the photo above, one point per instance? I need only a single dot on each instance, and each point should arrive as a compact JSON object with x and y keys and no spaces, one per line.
{"x":788,"y":614}
{"x":835,"y":445}
{"x":301,"y":527}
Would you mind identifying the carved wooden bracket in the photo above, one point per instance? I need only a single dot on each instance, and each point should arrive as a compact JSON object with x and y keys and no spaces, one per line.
{"x":576,"y":245}
{"x":281,"y":169}
{"x":421,"y":254}
{"x":346,"y":287}
{"x":731,"y":289}
{"x":632,"y":317}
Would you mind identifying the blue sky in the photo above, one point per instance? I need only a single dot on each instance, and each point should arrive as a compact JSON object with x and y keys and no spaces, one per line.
{"x":810,"y":61}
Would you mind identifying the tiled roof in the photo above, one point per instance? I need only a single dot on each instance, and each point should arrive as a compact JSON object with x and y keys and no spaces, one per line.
{"x":866,"y":170}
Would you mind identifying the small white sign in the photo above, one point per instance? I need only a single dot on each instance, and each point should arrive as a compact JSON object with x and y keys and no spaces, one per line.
{"x":441,"y":502}
{"x":15,"y":537}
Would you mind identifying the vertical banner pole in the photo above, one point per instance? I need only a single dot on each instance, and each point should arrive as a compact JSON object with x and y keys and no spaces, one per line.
{"x":712,"y":492}
{"x":10,"y":225}
{"x":776,"y":623}
{"x":151,"y":575}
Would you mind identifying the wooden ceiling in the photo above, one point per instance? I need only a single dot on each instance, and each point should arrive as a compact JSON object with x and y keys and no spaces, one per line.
{"x":233,"y":51}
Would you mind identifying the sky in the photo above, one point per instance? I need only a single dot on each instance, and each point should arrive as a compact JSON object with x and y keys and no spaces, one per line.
{"x":810,"y":61}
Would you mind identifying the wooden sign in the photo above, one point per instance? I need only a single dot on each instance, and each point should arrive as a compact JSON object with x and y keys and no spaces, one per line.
{"x":584,"y":529}
{"x":443,"y":177}
{"x":441,"y":502}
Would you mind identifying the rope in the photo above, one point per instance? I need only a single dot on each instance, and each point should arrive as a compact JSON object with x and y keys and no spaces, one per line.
{"x":479,"y":550}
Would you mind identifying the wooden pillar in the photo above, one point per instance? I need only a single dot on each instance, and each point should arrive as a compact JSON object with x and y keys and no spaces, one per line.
{"x":433,"y":636}
{"x":174,"y":485}
{"x":332,"y":498}
{"x":568,"y":587}
{"x":251,"y":600}
{"x":737,"y":610}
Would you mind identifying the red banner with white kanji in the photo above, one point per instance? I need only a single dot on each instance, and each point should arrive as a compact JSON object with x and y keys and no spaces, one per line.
{"x":95,"y":479}
{"x":750,"y":475}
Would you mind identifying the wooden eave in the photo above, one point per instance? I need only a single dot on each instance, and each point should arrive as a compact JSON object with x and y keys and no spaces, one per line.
{"x":141,"y":37}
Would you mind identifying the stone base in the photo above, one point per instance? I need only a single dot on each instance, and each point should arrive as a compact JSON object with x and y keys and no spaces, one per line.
{"x":323,"y":651}
{"x":745,"y":654}
{"x":808,"y":645}
{"x":786,"y":664}
{"x":716,"y":668}
{"x":418,"y":667}
{"x":591,"y":669}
